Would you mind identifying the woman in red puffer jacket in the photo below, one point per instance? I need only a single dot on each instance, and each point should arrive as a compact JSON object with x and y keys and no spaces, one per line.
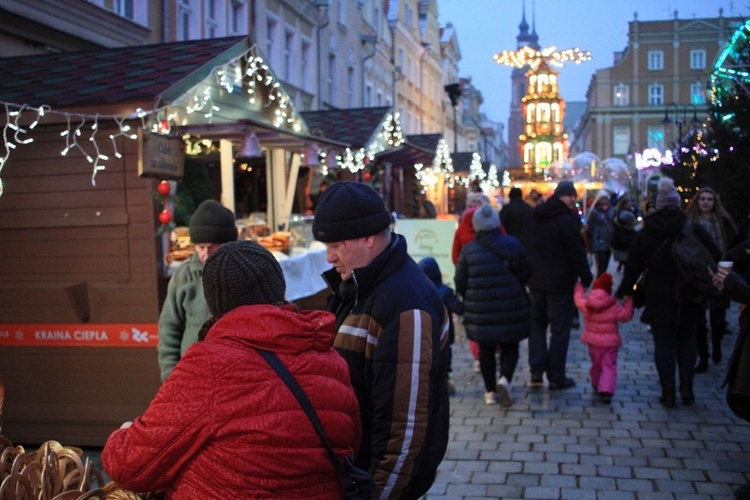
{"x":224,"y":425}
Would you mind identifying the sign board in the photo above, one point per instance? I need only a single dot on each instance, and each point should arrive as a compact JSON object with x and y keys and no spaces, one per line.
{"x":160,"y":156}
{"x":80,"y":335}
{"x":430,"y":238}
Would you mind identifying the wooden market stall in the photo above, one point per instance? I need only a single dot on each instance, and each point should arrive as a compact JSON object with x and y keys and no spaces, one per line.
{"x":87,"y":137}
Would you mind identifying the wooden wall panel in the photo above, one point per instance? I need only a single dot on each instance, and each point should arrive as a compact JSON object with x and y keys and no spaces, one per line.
{"x":57,"y":230}
{"x":74,"y":395}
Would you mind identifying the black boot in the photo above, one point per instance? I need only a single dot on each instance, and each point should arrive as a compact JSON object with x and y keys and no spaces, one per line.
{"x":702,"y":366}
{"x":716,"y":356}
{"x":687,"y":396}
{"x":668,"y":399}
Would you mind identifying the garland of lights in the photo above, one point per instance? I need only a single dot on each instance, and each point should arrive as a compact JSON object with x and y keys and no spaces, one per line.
{"x":442,"y":166}
{"x":82,"y":128}
{"x":728,"y":65}
{"x":390,"y":135}
{"x":528,"y":56}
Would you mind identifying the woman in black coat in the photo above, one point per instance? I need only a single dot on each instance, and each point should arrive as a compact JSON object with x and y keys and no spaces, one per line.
{"x":490,"y":276}
{"x":671,"y":314}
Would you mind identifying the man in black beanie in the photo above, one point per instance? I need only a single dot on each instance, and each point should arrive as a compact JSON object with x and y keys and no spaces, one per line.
{"x":392,"y":329}
{"x":558,"y":258}
{"x":185,"y":309}
{"x":516,"y":214}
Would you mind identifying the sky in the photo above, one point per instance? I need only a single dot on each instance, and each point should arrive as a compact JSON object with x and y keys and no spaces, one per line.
{"x":487,"y":27}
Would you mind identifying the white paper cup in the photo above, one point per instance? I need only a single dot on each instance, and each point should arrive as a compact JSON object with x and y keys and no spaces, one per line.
{"x":726,"y":264}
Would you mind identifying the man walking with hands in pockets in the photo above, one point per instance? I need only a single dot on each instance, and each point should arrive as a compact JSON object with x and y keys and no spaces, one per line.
{"x":558,"y":259}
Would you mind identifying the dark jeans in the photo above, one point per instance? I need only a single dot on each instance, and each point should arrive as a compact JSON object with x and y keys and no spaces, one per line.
{"x":717,"y":318}
{"x":556,"y":311}
{"x":675,"y":344}
{"x":487,"y":363}
{"x":602,"y":261}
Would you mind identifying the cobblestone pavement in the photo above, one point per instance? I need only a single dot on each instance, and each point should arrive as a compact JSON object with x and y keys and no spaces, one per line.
{"x":568,"y":444}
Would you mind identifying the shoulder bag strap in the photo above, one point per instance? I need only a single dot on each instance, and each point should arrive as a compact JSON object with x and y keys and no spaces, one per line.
{"x":299,"y":393}
{"x":492,"y":249}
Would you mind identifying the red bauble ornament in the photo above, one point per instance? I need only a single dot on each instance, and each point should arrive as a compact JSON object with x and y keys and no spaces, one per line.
{"x":165,"y":217}
{"x":164,"y":188}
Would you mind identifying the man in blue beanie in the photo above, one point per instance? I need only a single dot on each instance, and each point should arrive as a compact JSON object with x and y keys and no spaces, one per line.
{"x":392,"y":329}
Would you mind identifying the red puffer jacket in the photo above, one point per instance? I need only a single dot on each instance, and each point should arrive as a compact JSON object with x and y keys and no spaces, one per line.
{"x":224,"y":425}
{"x":601,"y":313}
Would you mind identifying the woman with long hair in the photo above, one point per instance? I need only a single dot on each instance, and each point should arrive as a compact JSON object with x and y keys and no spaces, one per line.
{"x":705,"y":210}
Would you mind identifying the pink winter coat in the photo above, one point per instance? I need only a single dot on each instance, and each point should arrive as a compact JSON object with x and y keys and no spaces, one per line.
{"x":601,"y":313}
{"x":224,"y":425}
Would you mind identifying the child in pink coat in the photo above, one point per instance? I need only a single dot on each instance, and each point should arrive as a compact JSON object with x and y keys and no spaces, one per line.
{"x":601,"y":313}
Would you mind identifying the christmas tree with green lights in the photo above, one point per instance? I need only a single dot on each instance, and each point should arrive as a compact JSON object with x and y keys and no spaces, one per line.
{"x":718,"y":154}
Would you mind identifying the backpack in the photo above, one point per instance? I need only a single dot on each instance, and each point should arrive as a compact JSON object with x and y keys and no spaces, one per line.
{"x":693,"y":262}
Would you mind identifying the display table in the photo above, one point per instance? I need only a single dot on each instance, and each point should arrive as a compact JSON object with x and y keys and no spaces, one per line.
{"x":302,"y":270}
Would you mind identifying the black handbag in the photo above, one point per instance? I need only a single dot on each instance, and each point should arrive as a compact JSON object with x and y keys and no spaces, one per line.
{"x":357,"y":483}
{"x":639,"y":290}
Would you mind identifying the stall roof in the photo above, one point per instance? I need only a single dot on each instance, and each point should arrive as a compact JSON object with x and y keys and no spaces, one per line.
{"x":416,"y":149}
{"x":168,"y":77}
{"x":127,"y":74}
{"x":461,"y":161}
{"x":356,"y":127}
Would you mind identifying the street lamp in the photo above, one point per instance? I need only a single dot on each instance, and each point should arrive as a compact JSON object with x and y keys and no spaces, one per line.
{"x":454,"y":94}
{"x":694,"y":122}
{"x":667,"y":121}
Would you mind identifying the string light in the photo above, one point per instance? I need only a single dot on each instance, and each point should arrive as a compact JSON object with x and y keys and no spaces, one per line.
{"x":528,"y":56}
{"x":199,"y":101}
{"x":390,"y":136}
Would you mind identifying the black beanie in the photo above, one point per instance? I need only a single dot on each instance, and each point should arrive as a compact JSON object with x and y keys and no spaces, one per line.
{"x":212,"y":223}
{"x":348,"y":210}
{"x":242,"y":273}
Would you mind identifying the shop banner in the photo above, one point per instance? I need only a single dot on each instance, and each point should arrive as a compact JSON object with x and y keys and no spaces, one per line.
{"x":80,"y":335}
{"x":430,"y":238}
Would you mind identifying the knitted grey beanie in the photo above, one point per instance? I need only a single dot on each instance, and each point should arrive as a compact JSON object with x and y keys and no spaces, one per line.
{"x":485,"y":219}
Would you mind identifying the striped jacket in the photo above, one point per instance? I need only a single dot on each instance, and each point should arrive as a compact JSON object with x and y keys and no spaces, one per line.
{"x":392,"y":329}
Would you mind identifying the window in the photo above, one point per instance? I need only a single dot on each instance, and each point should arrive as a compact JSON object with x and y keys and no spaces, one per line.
{"x":401,"y":61}
{"x":211,"y":19}
{"x":409,"y":16}
{"x":237,"y":17}
{"x":305,"y":66}
{"x":351,"y":82}
{"x":332,"y":78}
{"x":271,"y":28}
{"x":655,"y":94}
{"x":124,"y":8}
{"x":409,"y":66}
{"x":621,"y":140}
{"x":543,"y":154}
{"x":289,"y":57}
{"x":655,"y":60}
{"x":697,"y":59}
{"x":697,"y":93}
{"x":342,"y":12}
{"x":368,"y":95}
{"x":622,"y":95}
{"x":656,"y":136}
{"x":376,"y":18}
{"x":379,"y":101}
{"x":184,"y":12}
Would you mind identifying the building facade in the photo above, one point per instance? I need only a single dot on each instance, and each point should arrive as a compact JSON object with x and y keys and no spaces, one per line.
{"x":656,"y":91}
